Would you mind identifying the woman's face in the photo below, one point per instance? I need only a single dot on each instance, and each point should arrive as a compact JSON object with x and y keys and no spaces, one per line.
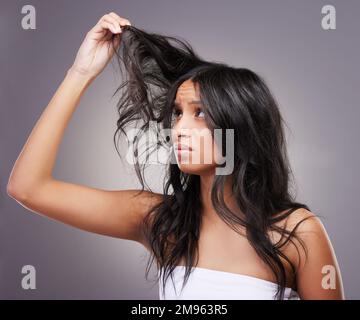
{"x":189,"y":129}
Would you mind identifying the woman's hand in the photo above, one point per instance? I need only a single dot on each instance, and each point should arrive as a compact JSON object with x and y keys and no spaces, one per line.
{"x":96,"y":50}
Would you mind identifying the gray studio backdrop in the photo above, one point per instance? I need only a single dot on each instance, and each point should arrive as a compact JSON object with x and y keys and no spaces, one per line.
{"x":314,"y":74}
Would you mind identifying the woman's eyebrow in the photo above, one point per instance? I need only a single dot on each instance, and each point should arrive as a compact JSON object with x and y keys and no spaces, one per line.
{"x":190,"y":102}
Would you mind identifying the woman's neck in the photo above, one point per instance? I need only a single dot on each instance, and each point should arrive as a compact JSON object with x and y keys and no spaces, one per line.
{"x":209,"y":213}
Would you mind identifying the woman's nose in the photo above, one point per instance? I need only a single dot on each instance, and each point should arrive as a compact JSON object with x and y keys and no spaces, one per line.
{"x":182,"y":125}
{"x":183,"y":128}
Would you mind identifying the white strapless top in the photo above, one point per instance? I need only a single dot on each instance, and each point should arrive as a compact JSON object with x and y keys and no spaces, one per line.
{"x":208,"y":284}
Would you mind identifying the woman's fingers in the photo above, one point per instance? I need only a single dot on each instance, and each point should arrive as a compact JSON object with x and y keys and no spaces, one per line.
{"x":115,"y":21}
{"x":112,"y":22}
{"x":115,"y":26}
{"x":102,"y":25}
{"x":120,"y":20}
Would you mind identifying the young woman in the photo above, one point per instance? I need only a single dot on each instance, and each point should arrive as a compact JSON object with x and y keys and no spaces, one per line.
{"x":238,"y":235}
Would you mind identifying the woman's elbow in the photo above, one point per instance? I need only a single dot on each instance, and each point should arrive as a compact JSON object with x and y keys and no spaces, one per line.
{"x":16,"y":192}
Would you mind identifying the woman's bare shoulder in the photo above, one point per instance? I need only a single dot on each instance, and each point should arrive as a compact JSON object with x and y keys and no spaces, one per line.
{"x":298,"y":223}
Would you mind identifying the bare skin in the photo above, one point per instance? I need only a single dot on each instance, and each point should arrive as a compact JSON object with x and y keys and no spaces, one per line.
{"x":222,"y":248}
{"x":118,"y":213}
{"x":110,"y":212}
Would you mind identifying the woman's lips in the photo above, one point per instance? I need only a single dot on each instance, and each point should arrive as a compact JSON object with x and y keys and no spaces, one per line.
{"x":183,"y":147}
{"x":182,"y":151}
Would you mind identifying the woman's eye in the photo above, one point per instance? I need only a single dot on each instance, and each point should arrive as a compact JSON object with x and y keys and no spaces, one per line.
{"x":176,"y":112}
{"x":200,"y":111}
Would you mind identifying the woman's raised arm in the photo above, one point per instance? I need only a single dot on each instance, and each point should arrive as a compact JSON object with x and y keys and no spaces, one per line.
{"x":114,"y":213}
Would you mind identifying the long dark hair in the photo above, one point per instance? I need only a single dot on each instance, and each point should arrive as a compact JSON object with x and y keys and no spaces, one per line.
{"x":153,"y":66}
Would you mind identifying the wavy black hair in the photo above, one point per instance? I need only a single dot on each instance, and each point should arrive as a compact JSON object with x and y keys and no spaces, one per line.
{"x":153,"y":66}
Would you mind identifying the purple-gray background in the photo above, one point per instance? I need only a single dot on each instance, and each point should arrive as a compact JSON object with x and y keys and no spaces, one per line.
{"x":313,"y":73}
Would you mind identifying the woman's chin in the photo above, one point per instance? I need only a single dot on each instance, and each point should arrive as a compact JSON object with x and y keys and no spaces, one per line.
{"x":198,"y":169}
